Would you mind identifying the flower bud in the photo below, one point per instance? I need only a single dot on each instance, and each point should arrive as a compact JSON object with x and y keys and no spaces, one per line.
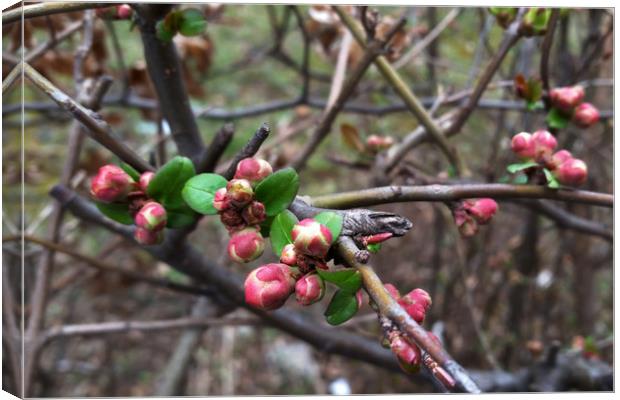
{"x":559,"y":158}
{"x":221,"y":202}
{"x":408,"y":354}
{"x":145,"y":179}
{"x":124,"y":11}
{"x":309,"y":289}
{"x":586,"y":115}
{"x":253,"y":170}
{"x":378,"y":238}
{"x":111,"y":184}
{"x":147,"y":237}
{"x":544,"y":143}
{"x":573,"y":172}
{"x":152,"y":216}
{"x":465,"y":223}
{"x":566,"y":98}
{"x":523,"y":145}
{"x":232,"y":220}
{"x":359,"y":298}
{"x":269,"y":286}
{"x":289,"y":255}
{"x":239,"y":191}
{"x":246,"y":245}
{"x":254,"y":213}
{"x":392,"y":291}
{"x":311,"y":238}
{"x":377,"y":143}
{"x":482,"y":210}
{"x":416,"y":303}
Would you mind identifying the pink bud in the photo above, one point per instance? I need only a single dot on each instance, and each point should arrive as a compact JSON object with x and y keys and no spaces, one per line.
{"x":309,"y":289}
{"x":482,"y":210}
{"x":311,"y":238}
{"x":566,"y":98}
{"x":377,"y":143}
{"x":246,"y":245}
{"x":253,"y":170}
{"x":220,"y":200}
{"x":416,"y":303}
{"x":269,"y":286}
{"x":392,"y":291}
{"x":408,"y":354}
{"x":586,"y":115}
{"x":359,"y":298}
{"x":466,"y":224}
{"x":152,"y":216}
{"x":145,"y":179}
{"x":572,"y":172}
{"x":124,"y":11}
{"x":544,"y":142}
{"x":232,"y":220}
{"x":378,"y":238}
{"x":111,"y":184}
{"x":147,"y":237}
{"x":289,"y":255}
{"x":254,"y":213}
{"x":240,"y":192}
{"x":559,"y":158}
{"x":523,"y":145}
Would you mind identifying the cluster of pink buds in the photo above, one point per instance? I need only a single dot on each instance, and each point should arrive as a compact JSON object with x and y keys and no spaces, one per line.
{"x":471,"y":213}
{"x":539,"y":147}
{"x":568,"y":101}
{"x":240,"y":213}
{"x":269,"y":286}
{"x":376,"y":143}
{"x":113,"y":185}
{"x":122,"y":11}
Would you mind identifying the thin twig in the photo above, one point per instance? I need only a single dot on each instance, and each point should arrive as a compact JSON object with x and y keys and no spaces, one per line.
{"x":16,"y":73}
{"x":546,"y":48}
{"x":216,"y":148}
{"x":248,"y":150}
{"x":42,"y":9}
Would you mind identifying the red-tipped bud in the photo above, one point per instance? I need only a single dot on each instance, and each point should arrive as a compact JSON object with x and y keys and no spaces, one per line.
{"x":408,"y":354}
{"x":289,"y":255}
{"x":246,"y":245}
{"x":572,"y":172}
{"x":147,"y":237}
{"x":253,"y":170}
{"x":523,"y":145}
{"x":221,"y":202}
{"x":378,"y":238}
{"x":240,"y":192}
{"x":586,"y":115}
{"x":311,"y":238}
{"x":269,"y":286}
{"x":377,"y":143}
{"x":254,"y":213}
{"x":111,"y":184}
{"x":482,"y":210}
{"x":145,"y":179}
{"x":416,"y":303}
{"x":359,"y":298}
{"x":152,"y":217}
{"x":124,"y":11}
{"x":544,"y":142}
{"x":566,"y":98}
{"x":232,"y":220}
{"x":392,"y":291}
{"x":309,"y":289}
{"x":559,"y":158}
{"x":466,"y":224}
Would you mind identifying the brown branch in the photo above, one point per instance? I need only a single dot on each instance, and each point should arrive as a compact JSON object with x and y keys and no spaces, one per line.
{"x":248,"y":150}
{"x":216,"y":148}
{"x":546,"y":48}
{"x":14,"y":75}
{"x":42,"y":9}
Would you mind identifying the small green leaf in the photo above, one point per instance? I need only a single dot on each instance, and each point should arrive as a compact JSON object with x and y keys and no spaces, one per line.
{"x":280,"y":231}
{"x":265,"y":226}
{"x":519,"y":180}
{"x":164,"y":34}
{"x":168,"y":182}
{"x":534,"y":105}
{"x":341,"y":308}
{"x":513,"y":168}
{"x":552,"y":182}
{"x":192,"y":22}
{"x":332,"y":221}
{"x":135,"y":175}
{"x":199,"y":191}
{"x":278,"y":190}
{"x":374,"y":247}
{"x":349,"y":279}
{"x":116,"y":212}
{"x":556,"y":120}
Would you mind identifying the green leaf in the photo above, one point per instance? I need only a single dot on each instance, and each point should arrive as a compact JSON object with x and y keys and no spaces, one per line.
{"x":167,"y":184}
{"x":280,"y":231}
{"x":278,"y":190}
{"x":534,"y":105}
{"x":265,"y":226}
{"x":199,"y":191}
{"x":513,"y":168}
{"x":556,"y":120}
{"x":192,"y":22}
{"x":552,"y":182}
{"x":341,"y":308}
{"x":374,"y":247}
{"x":332,"y":221}
{"x":519,"y":180}
{"x":135,"y":175}
{"x":164,"y":34}
{"x":348,"y":280}
{"x":116,"y":212}
{"x":180,"y":218}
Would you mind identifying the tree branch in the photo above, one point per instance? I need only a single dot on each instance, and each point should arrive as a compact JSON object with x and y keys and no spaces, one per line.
{"x":42,"y":9}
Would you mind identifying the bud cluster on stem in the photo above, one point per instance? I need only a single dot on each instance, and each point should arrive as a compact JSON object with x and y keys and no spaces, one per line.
{"x":469,"y":214}
{"x":539,"y":146}
{"x":112,"y":185}
{"x":240,"y":213}
{"x":569,"y":102}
